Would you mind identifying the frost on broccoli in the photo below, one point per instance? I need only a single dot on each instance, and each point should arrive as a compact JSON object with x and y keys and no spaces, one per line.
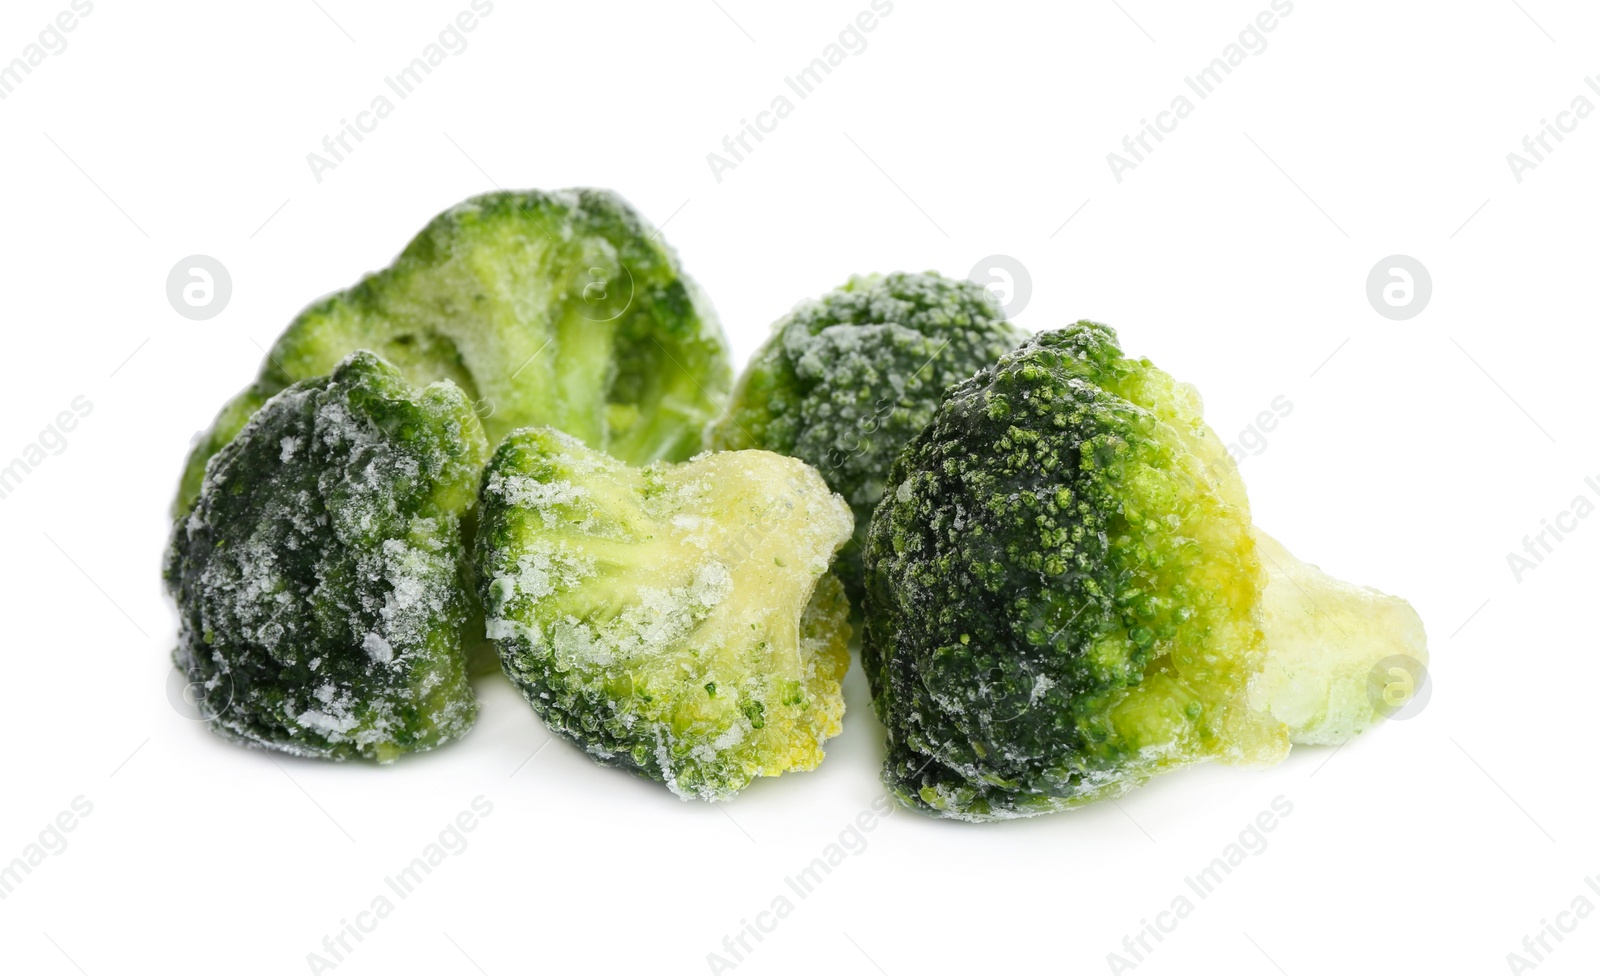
{"x":846,"y":380}
{"x":322,"y":578}
{"x":676,"y":620}
{"x":1066,"y":596}
{"x":560,"y":308}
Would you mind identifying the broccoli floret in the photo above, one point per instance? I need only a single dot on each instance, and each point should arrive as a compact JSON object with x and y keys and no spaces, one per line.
{"x":675,"y":620}
{"x":560,"y":308}
{"x":1066,"y":596}
{"x":845,"y":380}
{"x":322,"y":578}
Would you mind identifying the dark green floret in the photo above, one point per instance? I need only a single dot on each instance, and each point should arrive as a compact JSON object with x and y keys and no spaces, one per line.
{"x":321,"y":577}
{"x":1062,"y":588}
{"x":845,"y":380}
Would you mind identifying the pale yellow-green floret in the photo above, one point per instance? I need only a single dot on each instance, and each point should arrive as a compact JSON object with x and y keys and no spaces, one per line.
{"x":677,"y":619}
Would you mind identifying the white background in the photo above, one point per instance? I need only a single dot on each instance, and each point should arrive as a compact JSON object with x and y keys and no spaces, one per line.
{"x":1415,"y":459}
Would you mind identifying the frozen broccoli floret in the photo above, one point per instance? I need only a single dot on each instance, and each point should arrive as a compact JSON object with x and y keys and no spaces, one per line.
{"x":675,"y":620}
{"x":561,"y":308}
{"x":845,"y":380}
{"x":1066,"y":596}
{"x":322,"y":580}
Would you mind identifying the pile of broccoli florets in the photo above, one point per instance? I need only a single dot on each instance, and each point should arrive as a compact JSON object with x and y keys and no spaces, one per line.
{"x":523,"y":441}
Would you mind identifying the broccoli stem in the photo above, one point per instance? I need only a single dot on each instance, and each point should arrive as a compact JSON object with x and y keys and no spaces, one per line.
{"x":1325,"y":638}
{"x":668,"y":430}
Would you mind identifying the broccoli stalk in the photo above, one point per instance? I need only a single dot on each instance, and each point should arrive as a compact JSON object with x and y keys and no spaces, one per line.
{"x":1324,"y":638}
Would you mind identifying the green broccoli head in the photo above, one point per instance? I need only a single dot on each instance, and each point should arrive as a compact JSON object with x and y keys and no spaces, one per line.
{"x":1066,"y":596}
{"x":675,"y":620}
{"x":846,"y":380}
{"x":322,"y":578}
{"x":560,"y":308}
